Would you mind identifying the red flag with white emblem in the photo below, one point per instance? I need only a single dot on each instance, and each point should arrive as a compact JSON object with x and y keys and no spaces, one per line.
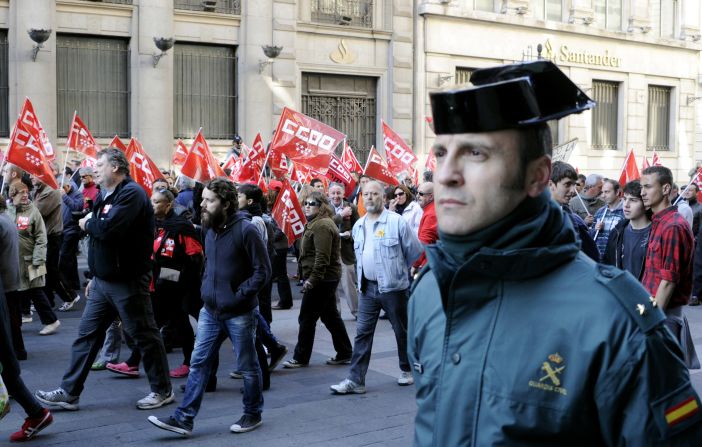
{"x":248,"y":170}
{"x":338,"y":173}
{"x":257,"y":152}
{"x":200,"y":165}
{"x":399,"y":155}
{"x":278,"y":164}
{"x":656,"y":161}
{"x":116,"y":142}
{"x":141,"y":168}
{"x":431,"y":162}
{"x":305,"y":140}
{"x":349,"y":160}
{"x":377,"y":168}
{"x":27,"y":152}
{"x":288,"y":214}
{"x":32,"y":125}
{"x":80,"y":139}
{"x":180,"y":154}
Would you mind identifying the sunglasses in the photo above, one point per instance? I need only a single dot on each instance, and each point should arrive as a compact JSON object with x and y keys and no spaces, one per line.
{"x":399,"y":194}
{"x":422,"y":194}
{"x":306,"y":203}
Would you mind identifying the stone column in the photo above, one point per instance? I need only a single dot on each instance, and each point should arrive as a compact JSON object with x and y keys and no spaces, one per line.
{"x":36,"y":80}
{"x":151,"y":119}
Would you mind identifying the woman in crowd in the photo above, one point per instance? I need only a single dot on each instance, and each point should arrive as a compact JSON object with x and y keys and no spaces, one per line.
{"x":32,"y":257}
{"x":403,"y":203}
{"x":321,"y":271}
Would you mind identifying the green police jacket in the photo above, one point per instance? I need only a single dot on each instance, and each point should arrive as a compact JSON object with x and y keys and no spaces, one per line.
{"x":539,"y":346}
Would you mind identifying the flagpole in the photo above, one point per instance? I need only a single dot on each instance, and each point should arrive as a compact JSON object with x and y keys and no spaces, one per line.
{"x":65,"y":157}
{"x":697,"y":174}
{"x":601,"y":222}
{"x":583,"y":203}
{"x":263,"y":168}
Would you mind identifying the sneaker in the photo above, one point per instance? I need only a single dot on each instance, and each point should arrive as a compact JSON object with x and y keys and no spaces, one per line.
{"x":32,"y":426}
{"x":277,"y":355}
{"x":292,"y":364}
{"x":339,"y":361}
{"x":236,"y":375}
{"x":348,"y":387}
{"x":26,"y":318}
{"x":405,"y":379}
{"x":124,"y":369}
{"x":98,"y":366}
{"x":155,"y":400}
{"x":50,"y":329}
{"x":57,"y":398}
{"x":170,"y":424}
{"x":180,"y":372}
{"x":246,"y":423}
{"x":68,"y":305}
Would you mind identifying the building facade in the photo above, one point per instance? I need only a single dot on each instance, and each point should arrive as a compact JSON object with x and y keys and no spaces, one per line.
{"x":349,"y":63}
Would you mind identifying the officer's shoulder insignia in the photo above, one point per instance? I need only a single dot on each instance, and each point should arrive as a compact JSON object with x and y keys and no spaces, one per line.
{"x":631,"y":295}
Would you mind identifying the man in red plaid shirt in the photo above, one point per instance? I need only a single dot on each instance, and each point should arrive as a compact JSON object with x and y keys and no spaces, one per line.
{"x":668,"y":271}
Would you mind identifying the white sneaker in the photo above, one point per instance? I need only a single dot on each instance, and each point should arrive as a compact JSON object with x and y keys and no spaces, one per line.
{"x":68,"y":305}
{"x":348,"y":387}
{"x":405,"y":379}
{"x":50,"y":328}
{"x":27,"y":318}
{"x":155,"y":400}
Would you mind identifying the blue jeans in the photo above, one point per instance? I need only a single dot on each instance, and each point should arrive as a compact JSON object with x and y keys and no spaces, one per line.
{"x":211,"y":332}
{"x":369,"y":304}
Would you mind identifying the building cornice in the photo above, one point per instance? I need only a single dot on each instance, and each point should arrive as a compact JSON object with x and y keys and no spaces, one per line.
{"x":345,"y":31}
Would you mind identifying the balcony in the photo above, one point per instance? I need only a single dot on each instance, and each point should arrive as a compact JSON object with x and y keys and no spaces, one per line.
{"x":219,"y":6}
{"x":343,"y":12}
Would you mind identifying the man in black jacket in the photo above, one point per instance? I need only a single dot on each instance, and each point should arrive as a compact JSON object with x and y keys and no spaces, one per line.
{"x":121,"y":230}
{"x":236,"y":268}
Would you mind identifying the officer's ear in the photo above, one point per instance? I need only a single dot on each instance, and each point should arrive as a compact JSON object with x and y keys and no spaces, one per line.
{"x":538,"y":176}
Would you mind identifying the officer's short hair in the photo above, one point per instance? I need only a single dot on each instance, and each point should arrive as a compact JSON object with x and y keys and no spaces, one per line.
{"x":663,"y":174}
{"x":614,"y":183}
{"x":561,"y":170}
{"x":226,"y":192}
{"x":116,"y":158}
{"x":535,"y":141}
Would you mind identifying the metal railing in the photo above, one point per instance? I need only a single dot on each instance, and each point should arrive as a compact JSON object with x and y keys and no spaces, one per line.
{"x":220,"y":6}
{"x":343,"y":12}
{"x":115,"y":2}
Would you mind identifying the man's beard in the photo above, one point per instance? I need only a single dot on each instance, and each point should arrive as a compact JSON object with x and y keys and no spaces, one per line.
{"x":213,"y":220}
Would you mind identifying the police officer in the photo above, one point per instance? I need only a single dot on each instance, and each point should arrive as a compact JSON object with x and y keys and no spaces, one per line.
{"x":516,"y":337}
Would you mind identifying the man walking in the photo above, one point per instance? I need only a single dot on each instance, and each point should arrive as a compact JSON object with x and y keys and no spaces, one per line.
{"x":386,"y":248}
{"x":121,"y":230}
{"x":515,"y":337}
{"x":345,"y":218}
{"x":236,"y":269}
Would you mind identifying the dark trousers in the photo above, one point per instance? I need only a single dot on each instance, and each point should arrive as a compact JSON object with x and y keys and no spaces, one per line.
{"x":176,"y":308}
{"x":37,"y":297}
{"x":264,"y":302}
{"x":15,"y":321}
{"x":130,"y":301}
{"x":10,"y":366}
{"x":53,"y":274}
{"x":279,"y":265}
{"x":320,"y":303}
{"x":68,"y":261}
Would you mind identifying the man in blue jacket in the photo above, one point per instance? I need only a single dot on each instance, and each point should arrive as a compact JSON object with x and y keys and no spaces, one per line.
{"x":71,"y":208}
{"x":236,"y":269}
{"x":515,"y":336}
{"x":121,"y":230}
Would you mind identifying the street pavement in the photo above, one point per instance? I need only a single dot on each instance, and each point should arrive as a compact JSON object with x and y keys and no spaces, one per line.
{"x":299,"y":408}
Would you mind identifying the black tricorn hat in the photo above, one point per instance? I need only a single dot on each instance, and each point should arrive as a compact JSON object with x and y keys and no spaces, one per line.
{"x":507,"y":97}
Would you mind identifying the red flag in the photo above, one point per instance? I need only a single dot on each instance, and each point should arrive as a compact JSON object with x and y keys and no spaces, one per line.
{"x":200,"y":165}
{"x":656,"y":159}
{"x":230,"y":162}
{"x":288,"y":214}
{"x":180,"y":154}
{"x":297,"y":175}
{"x":88,"y":162}
{"x":629,"y":171}
{"x":430,"y":165}
{"x":278,"y":164}
{"x":338,"y":173}
{"x":257,"y":152}
{"x":398,"y":154}
{"x":305,"y":140}
{"x":645,"y":163}
{"x":116,"y":142}
{"x":27,"y":152}
{"x":349,"y":160}
{"x":141,"y":168}
{"x":262,"y":184}
{"x":80,"y":139}
{"x":248,"y":170}
{"x":377,"y":168}
{"x":32,"y":125}
{"x":234,"y":165}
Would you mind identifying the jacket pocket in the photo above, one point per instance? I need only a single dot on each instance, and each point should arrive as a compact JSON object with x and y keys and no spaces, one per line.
{"x":389,"y":248}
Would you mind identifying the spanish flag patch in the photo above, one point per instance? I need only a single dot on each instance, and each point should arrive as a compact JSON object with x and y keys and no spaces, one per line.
{"x":682,"y":411}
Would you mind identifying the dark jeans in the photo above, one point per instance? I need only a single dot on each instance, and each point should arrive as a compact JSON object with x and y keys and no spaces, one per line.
{"x":279,"y":265}
{"x":53,"y":274}
{"x":37,"y":297}
{"x":15,"y":316}
{"x":131,"y":301}
{"x":320,"y":303}
{"x":211,"y":332}
{"x":68,"y":261}
{"x":369,"y":304}
{"x":10,"y":367}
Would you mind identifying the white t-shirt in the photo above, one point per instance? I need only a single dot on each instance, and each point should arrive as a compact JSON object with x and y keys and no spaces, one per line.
{"x":368,"y":251}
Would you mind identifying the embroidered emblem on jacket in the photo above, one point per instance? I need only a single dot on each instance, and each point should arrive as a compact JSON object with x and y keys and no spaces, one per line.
{"x":681,"y":411}
{"x":550,"y":375}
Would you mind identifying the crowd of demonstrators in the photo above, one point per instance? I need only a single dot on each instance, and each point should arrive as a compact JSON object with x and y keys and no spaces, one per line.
{"x":586,"y":203}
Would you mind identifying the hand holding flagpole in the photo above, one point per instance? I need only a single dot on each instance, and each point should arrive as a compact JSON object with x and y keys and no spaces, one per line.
{"x":601,"y":222}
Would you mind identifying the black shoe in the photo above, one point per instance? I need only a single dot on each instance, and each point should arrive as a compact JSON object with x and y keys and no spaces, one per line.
{"x":246,"y":423}
{"x":277,"y":355}
{"x":280,"y":307}
{"x":170,"y":424}
{"x":339,"y":360}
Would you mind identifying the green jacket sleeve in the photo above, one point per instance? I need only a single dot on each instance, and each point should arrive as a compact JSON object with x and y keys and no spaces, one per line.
{"x":40,"y":240}
{"x":323,"y":237}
